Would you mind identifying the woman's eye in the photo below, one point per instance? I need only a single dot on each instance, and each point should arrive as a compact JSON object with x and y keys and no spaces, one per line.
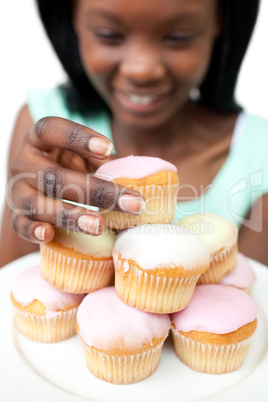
{"x":179,"y":39}
{"x":109,"y":36}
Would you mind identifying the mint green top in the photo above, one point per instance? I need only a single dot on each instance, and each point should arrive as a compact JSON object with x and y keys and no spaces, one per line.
{"x":242,"y":179}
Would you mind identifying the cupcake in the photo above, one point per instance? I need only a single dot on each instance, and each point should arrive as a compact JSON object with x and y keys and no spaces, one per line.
{"x":155,"y":178}
{"x":213,"y":334}
{"x":242,"y":277}
{"x":76,"y":262}
{"x":122,"y":345}
{"x":220,"y":236}
{"x":158,"y":266}
{"x":42,"y":312}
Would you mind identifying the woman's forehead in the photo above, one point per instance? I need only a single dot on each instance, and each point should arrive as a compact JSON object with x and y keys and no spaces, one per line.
{"x":150,"y":9}
{"x":163,"y":6}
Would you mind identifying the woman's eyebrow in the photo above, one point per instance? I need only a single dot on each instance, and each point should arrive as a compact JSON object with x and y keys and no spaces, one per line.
{"x":101,"y":12}
{"x":183,"y":17}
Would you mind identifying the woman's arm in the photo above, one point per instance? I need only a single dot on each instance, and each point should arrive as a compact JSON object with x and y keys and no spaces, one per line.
{"x":11,"y":245}
{"x":253,"y":235}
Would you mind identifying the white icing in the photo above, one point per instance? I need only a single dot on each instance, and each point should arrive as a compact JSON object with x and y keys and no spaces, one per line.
{"x":216,"y":231}
{"x":162,"y":246}
{"x":96,"y":246}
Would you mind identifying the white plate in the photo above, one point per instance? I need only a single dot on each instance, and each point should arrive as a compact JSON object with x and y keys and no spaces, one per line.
{"x":40,"y":372}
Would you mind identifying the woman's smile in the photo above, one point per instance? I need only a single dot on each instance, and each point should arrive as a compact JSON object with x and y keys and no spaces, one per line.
{"x":142,"y":103}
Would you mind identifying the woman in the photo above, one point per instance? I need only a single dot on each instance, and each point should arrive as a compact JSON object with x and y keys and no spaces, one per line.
{"x":156,"y":79}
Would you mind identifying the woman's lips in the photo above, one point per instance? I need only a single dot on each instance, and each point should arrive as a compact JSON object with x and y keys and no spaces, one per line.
{"x":138,"y":102}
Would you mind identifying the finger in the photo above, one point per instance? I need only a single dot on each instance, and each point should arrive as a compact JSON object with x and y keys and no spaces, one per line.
{"x":36,"y":232}
{"x":58,"y":182}
{"x":39,"y":208}
{"x":54,"y":132}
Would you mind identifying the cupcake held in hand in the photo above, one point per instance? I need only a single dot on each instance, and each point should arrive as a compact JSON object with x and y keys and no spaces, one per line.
{"x":155,"y":178}
{"x":158,"y":266}
{"x":42,"y":312}
{"x":77,"y":262}
{"x":122,"y":345}
{"x":213,"y":334}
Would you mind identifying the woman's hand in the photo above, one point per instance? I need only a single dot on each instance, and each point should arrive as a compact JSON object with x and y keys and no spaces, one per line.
{"x":50,"y":167}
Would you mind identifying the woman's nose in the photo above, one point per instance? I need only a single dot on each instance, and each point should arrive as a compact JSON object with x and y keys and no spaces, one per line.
{"x":142,"y":65}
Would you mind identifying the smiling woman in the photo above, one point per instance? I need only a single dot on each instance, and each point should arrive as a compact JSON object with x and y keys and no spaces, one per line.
{"x":131,"y":68}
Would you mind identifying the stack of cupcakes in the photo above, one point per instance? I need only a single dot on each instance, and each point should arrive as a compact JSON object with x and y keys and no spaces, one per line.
{"x":190,"y":271}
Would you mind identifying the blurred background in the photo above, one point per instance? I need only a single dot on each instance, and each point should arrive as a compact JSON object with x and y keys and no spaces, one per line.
{"x":27,"y":61}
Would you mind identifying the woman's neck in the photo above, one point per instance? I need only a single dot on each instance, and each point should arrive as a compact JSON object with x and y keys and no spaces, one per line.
{"x":190,"y":130}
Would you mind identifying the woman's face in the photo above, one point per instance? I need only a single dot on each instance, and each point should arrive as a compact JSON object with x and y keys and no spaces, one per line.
{"x":143,"y":57}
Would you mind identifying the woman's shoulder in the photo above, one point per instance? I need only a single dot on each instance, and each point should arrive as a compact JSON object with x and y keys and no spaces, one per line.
{"x":257,"y":123}
{"x":47,"y":102}
{"x":251,"y":131}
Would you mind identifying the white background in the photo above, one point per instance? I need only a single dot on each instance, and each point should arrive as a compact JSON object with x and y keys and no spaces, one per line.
{"x":27,"y":60}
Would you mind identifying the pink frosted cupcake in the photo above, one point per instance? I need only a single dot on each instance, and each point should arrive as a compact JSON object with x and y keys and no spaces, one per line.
{"x":42,"y":312}
{"x":122,"y":345}
{"x":242,"y":277}
{"x":155,"y":178}
{"x":158,"y":266}
{"x":213,"y":334}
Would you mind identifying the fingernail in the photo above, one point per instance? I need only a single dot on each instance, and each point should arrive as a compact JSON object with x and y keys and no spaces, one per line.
{"x":128,"y":203}
{"x":100,"y":146}
{"x":89,"y":224}
{"x":39,"y":232}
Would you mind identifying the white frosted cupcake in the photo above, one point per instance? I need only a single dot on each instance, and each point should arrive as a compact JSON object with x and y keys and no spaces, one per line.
{"x":158,"y":266}
{"x":242,"y":277}
{"x":42,"y":312}
{"x":122,"y":345}
{"x":76,"y":262}
{"x":156,"y":179}
{"x":220,"y":236}
{"x":213,"y":334}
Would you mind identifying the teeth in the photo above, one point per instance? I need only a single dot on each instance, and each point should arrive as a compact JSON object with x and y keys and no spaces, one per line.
{"x":141,"y":99}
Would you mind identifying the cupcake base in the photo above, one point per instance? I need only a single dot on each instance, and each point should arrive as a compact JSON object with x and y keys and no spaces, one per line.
{"x":54,"y":327}
{"x":150,"y":292}
{"x":221,"y":264}
{"x":160,"y":202}
{"x":213,"y":358}
{"x":72,"y":274}
{"x":123,"y":368}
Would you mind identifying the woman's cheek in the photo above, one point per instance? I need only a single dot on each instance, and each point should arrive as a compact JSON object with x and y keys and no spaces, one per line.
{"x":192,"y":66}
{"x":96,"y":60}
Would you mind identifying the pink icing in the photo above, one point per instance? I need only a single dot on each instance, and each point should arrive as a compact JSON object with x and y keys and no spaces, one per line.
{"x":242,"y":277}
{"x":133,"y":167}
{"x":29,"y":286}
{"x":217,"y":309}
{"x":106,"y":322}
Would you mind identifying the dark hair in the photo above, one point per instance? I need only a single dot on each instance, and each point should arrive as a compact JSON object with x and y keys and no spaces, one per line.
{"x":217,"y":90}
